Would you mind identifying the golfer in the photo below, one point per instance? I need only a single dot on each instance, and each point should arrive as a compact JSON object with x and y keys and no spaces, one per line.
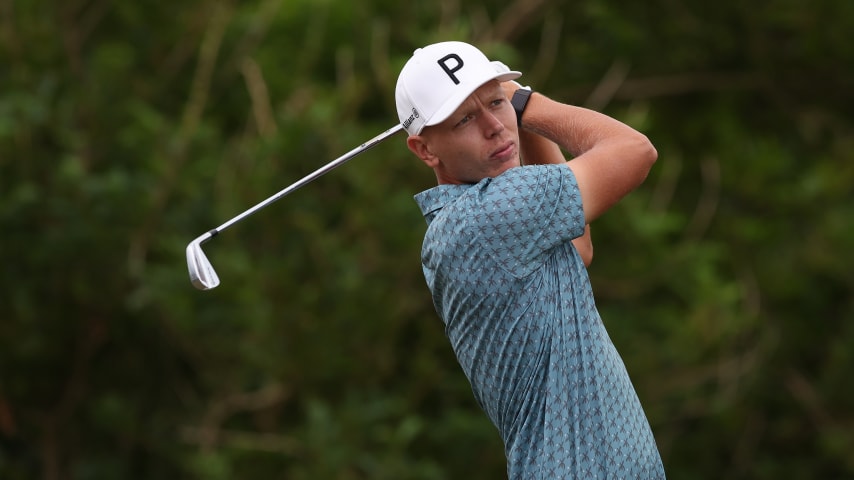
{"x":505,"y":257}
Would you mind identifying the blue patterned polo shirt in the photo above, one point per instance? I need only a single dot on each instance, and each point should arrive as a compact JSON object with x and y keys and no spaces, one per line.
{"x":519,"y":312}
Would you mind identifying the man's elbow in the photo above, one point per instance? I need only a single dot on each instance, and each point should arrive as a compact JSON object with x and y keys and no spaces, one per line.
{"x":646,"y":152}
{"x":645,"y":155}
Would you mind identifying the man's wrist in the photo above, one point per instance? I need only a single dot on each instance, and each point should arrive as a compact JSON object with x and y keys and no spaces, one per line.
{"x":520,"y":102}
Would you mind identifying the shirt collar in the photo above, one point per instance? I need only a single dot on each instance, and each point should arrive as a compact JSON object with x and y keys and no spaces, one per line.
{"x":432,"y":200}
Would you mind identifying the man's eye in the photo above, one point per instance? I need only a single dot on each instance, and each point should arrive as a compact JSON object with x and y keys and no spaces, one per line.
{"x":464,"y":120}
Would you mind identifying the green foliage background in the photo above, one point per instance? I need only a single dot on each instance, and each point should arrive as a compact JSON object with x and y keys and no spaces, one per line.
{"x":129,"y":128}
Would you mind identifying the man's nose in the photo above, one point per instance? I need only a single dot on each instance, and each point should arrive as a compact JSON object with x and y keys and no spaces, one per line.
{"x":492,"y":125}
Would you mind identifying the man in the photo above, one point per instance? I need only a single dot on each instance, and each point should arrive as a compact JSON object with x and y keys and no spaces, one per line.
{"x":499,"y":258}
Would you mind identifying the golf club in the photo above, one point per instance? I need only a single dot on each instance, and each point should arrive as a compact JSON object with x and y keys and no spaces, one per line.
{"x":202,"y":274}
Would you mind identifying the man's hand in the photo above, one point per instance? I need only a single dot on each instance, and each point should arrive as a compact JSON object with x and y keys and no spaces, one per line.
{"x":510,"y":88}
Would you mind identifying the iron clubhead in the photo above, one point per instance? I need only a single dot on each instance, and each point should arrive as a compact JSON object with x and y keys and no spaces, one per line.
{"x":202,"y":274}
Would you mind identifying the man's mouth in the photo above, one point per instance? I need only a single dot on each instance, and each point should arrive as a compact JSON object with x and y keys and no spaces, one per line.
{"x":504,"y":151}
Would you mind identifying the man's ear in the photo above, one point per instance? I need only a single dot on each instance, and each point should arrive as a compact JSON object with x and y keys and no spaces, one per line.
{"x":419,"y":147}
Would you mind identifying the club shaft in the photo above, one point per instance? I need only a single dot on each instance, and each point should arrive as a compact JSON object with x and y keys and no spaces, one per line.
{"x":308,"y":178}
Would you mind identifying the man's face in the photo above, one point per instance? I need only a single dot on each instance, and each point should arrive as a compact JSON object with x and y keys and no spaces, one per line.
{"x":479,"y":140}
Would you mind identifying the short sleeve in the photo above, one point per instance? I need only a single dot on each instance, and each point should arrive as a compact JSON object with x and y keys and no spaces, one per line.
{"x":527,"y":212}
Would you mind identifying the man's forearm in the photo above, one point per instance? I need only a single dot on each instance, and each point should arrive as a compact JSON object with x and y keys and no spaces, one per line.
{"x":575,"y":129}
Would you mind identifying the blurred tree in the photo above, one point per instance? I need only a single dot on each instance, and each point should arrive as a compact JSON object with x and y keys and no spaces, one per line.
{"x":128,"y":129}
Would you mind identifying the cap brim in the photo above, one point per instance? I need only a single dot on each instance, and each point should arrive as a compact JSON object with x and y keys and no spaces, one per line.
{"x":456,"y":100}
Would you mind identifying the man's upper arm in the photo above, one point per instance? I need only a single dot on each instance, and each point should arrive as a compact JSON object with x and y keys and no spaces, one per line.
{"x":608,"y":172}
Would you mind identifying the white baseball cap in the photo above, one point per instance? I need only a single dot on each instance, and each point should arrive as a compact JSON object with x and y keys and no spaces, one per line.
{"x":437,"y":80}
